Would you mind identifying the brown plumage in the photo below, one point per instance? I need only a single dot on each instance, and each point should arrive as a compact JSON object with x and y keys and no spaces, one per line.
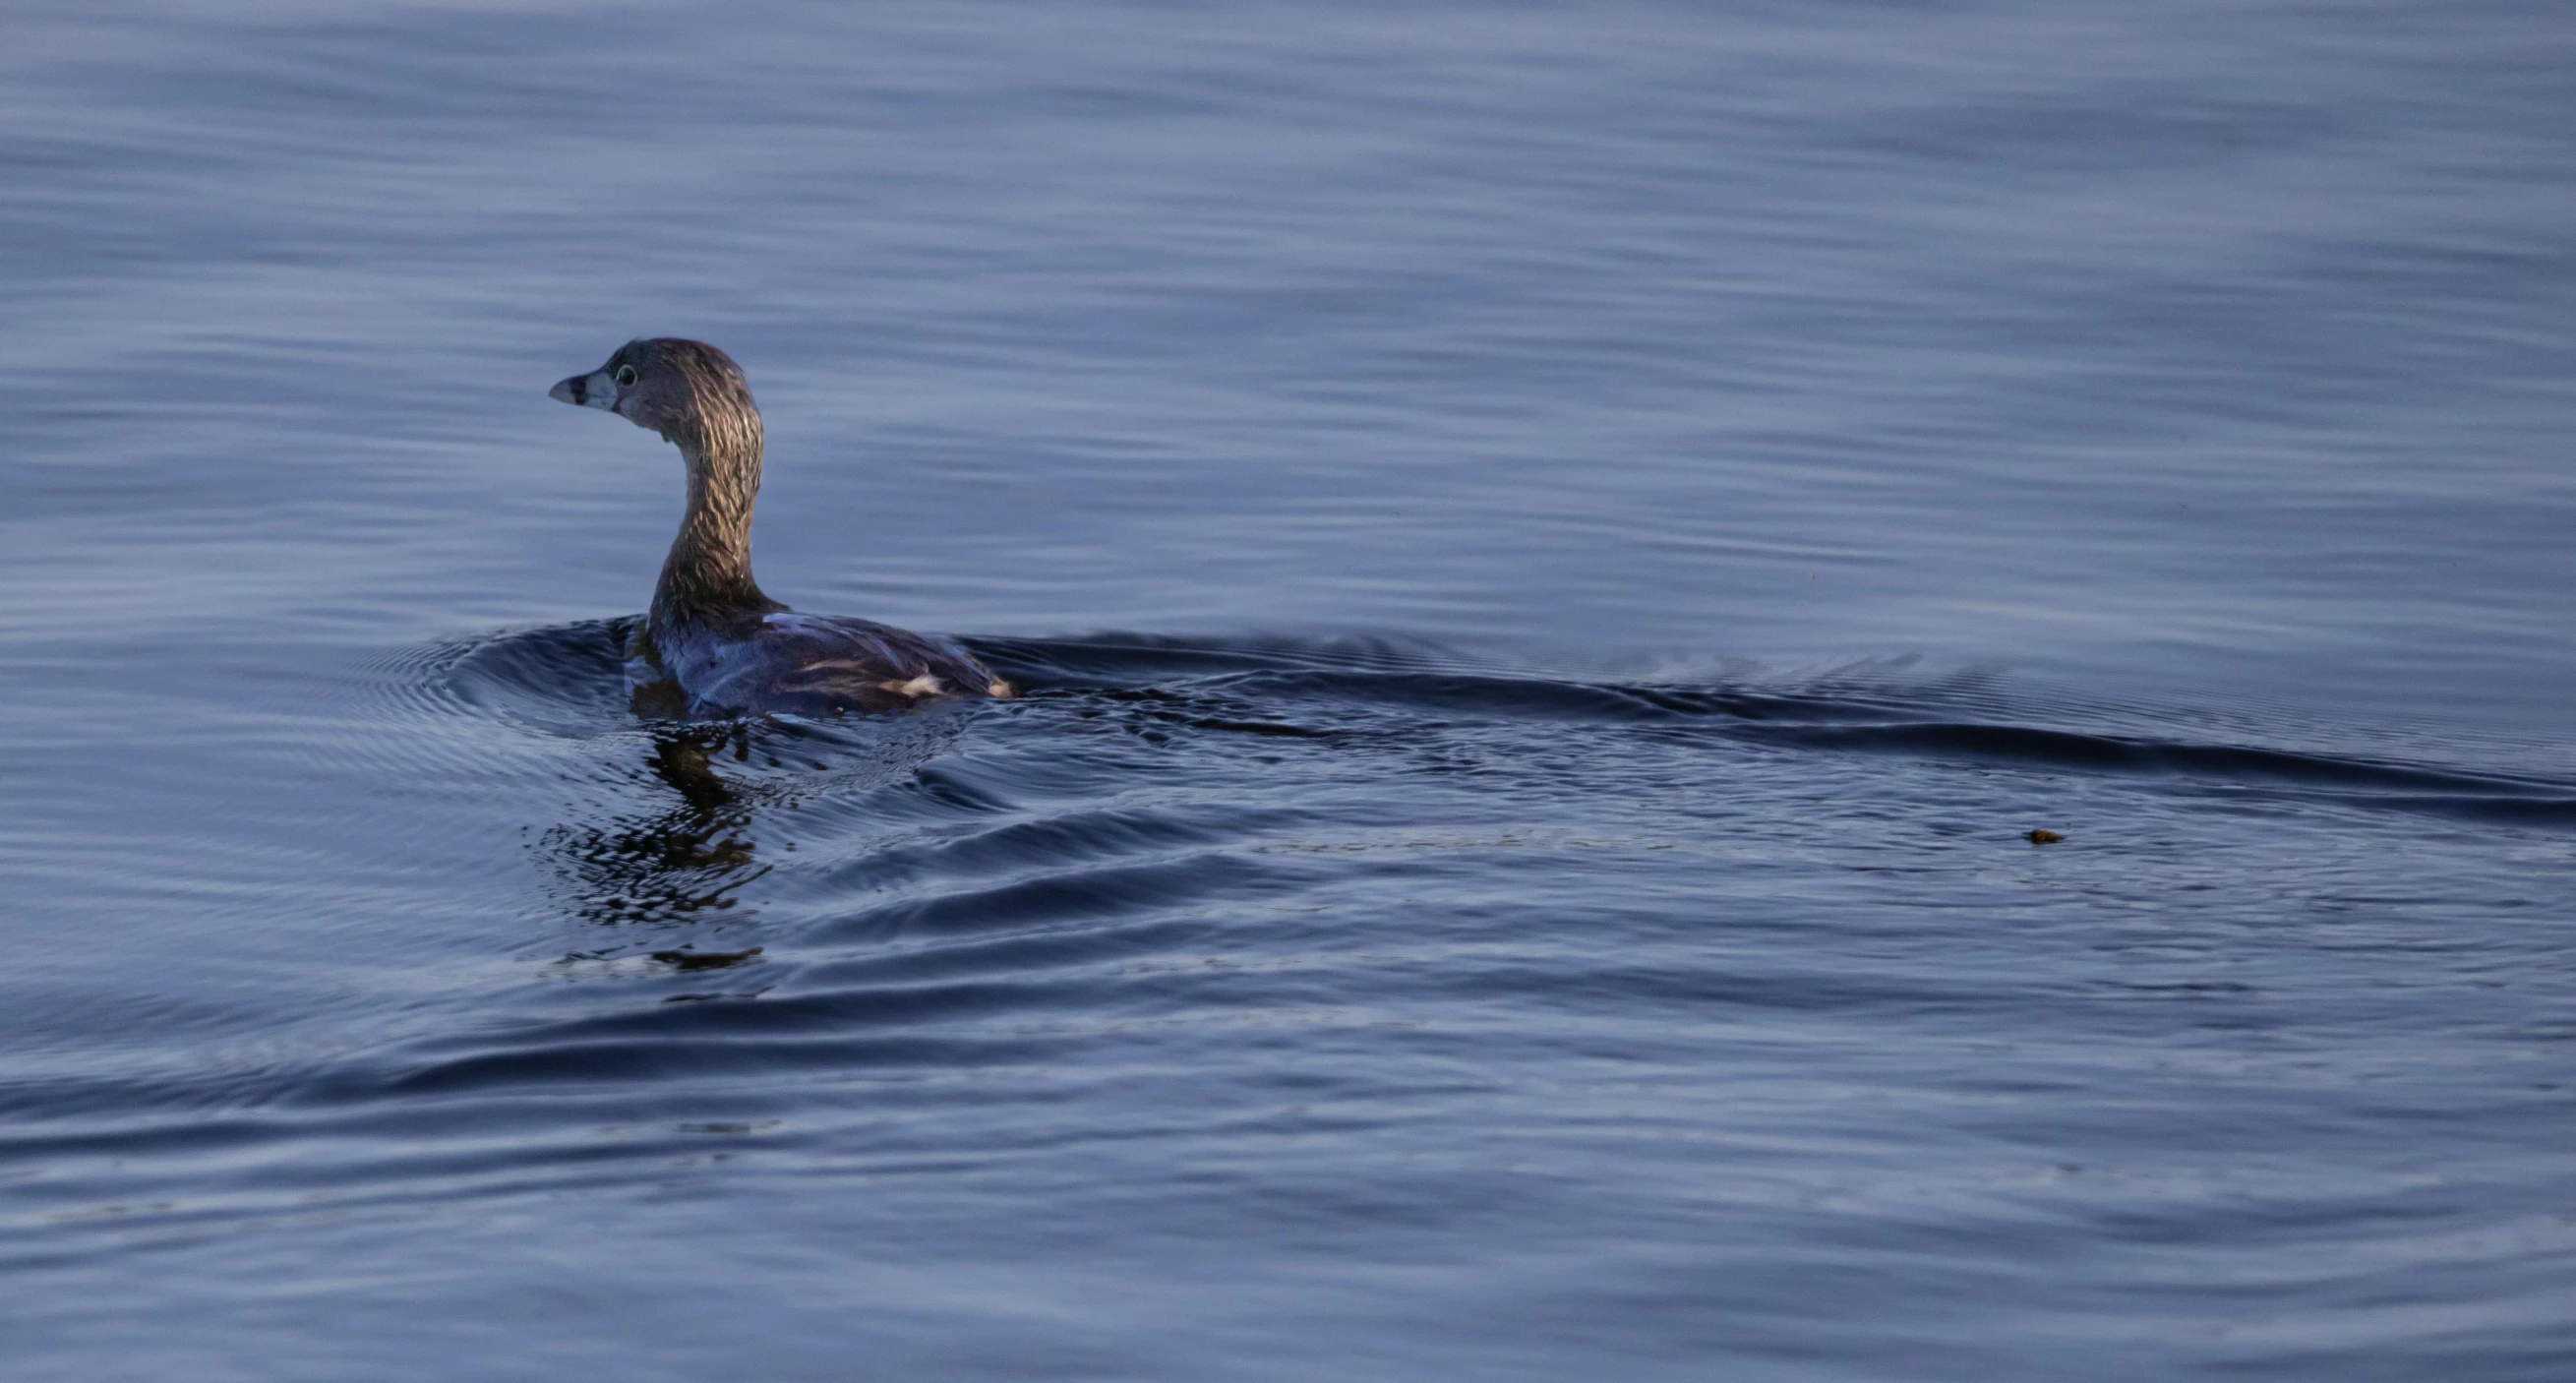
{"x":714,"y":645}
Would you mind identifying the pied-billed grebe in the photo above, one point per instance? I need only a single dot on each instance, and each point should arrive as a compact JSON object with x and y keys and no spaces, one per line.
{"x":713,"y":645}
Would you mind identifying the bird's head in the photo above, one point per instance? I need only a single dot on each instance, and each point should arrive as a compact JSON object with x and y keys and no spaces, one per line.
{"x":685,"y":390}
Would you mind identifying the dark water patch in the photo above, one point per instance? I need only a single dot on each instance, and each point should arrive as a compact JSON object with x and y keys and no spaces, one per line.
{"x":1058,"y":947}
{"x":1058,"y":840}
{"x":1194,"y":880}
{"x":2401,"y":787}
{"x":1837,"y":715}
{"x":1128,"y":659}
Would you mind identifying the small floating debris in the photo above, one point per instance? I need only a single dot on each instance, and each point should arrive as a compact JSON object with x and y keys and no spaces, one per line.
{"x":2043,"y":836}
{"x":705,"y":960}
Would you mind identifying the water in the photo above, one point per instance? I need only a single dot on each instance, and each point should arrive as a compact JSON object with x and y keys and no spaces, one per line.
{"x":1558,"y":553}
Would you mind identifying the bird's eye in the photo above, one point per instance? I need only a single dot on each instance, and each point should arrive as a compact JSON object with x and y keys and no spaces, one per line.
{"x":625,"y":374}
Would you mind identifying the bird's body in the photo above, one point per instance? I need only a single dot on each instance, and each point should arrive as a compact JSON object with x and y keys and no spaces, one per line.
{"x":785,"y":662}
{"x":714,"y":646}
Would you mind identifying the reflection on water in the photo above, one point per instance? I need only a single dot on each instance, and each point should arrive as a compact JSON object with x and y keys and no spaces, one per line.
{"x":678,"y":860}
{"x":670,"y":864}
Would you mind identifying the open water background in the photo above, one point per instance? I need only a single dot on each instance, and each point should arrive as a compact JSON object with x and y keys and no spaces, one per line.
{"x":1558,"y":551}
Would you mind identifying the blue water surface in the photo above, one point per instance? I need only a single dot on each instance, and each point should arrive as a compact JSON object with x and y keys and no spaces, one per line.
{"x":1557,"y":554}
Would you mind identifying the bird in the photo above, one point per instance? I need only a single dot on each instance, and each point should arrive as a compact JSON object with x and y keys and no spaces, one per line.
{"x":714,"y":646}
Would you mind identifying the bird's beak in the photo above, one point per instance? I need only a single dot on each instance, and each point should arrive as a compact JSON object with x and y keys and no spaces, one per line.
{"x":593,"y":390}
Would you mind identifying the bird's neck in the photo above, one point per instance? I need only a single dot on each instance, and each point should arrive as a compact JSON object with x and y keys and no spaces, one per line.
{"x":708,"y":574}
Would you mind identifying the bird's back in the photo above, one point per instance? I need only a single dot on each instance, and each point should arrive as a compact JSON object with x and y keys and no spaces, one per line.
{"x":783,"y":662}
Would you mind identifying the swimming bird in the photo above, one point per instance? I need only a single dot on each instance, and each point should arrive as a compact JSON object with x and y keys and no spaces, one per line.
{"x":713,"y":646}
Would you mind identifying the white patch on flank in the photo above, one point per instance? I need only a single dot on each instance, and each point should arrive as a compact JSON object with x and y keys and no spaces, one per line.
{"x":1001,"y":690}
{"x":924,"y":685}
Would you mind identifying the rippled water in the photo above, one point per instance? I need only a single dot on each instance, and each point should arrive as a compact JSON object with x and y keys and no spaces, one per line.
{"x":1558,"y":554}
